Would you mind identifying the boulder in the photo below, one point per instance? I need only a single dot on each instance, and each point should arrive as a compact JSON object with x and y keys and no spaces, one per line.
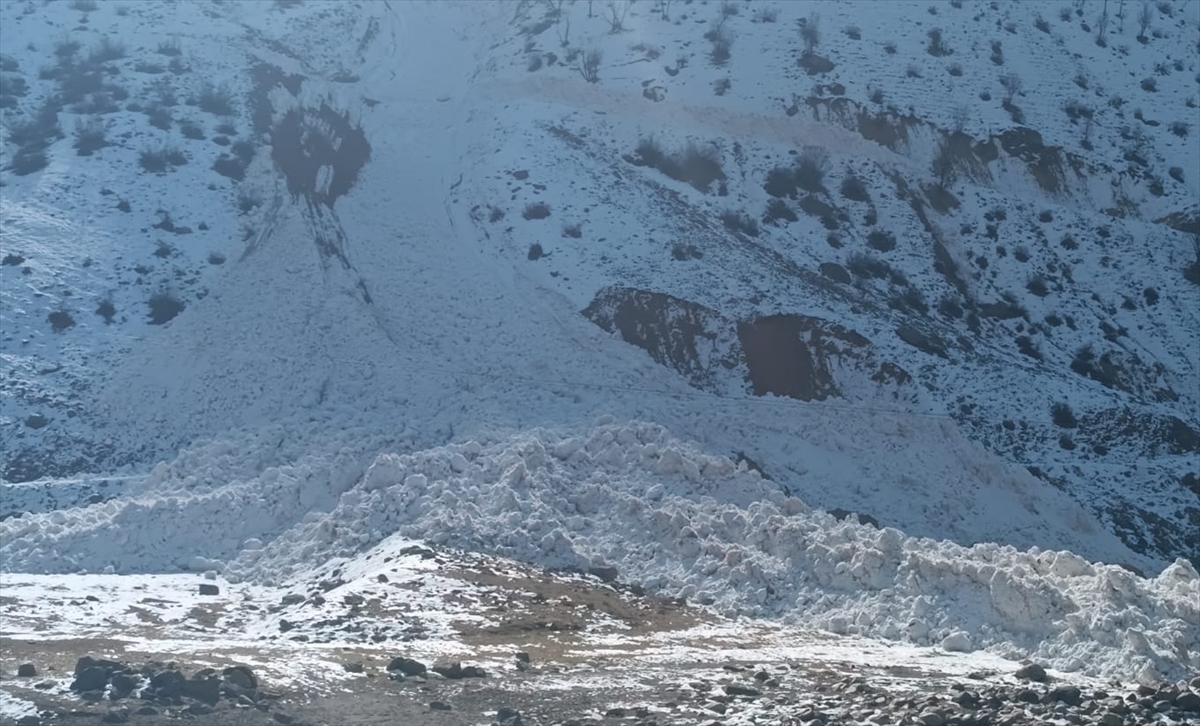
{"x":26,"y":670}
{"x":407,"y":667}
{"x":1032,"y":672}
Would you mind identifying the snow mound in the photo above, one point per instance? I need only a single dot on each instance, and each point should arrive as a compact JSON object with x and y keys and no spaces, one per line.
{"x":633,"y":497}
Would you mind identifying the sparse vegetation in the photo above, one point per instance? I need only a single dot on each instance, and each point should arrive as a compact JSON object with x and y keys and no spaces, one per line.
{"x":107,"y":310}
{"x":536,"y":210}
{"x":937,"y":45}
{"x":854,"y":189}
{"x":810,"y":33}
{"x":161,"y":160}
{"x":778,"y":209}
{"x":171,"y":48}
{"x":1180,"y":128}
{"x":1037,"y":286}
{"x":164,"y":306}
{"x":811,"y":169}
{"x":217,"y":100}
{"x":60,"y":320}
{"x":1012,"y":85}
{"x":696,"y":166}
{"x":90,"y":136}
{"x":882,"y":241}
{"x":535,"y":252}
{"x":736,"y":221}
{"x":191,"y":130}
{"x":767,"y":15}
{"x":721,"y":39}
{"x":1041,"y":24}
{"x":589,"y":65}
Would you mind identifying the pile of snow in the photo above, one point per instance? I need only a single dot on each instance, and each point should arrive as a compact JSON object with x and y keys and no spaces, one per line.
{"x":633,"y":497}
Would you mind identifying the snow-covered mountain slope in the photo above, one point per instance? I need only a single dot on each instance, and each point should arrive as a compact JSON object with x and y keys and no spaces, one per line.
{"x":452,"y":234}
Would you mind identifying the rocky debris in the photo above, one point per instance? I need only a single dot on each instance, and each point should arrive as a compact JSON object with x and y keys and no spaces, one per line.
{"x":508,"y":717}
{"x":456,"y":670}
{"x":209,"y":589}
{"x":406,"y":667}
{"x":26,"y":670}
{"x":1032,"y":672}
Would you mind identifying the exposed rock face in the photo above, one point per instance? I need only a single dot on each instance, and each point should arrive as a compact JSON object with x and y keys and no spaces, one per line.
{"x":687,"y":337}
{"x":797,"y":356}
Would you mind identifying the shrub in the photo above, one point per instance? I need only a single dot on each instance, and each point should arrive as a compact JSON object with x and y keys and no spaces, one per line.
{"x":89,"y":136}
{"x":575,"y":231}
{"x":161,"y":160}
{"x":170,"y":47}
{"x":721,"y":86}
{"x":535,"y":252}
{"x":216,"y":258}
{"x":164,"y":306}
{"x":26,"y":161}
{"x":889,"y":48}
{"x":955,"y":69}
{"x":106,"y":310}
{"x":217,"y":100}
{"x":729,"y":8}
{"x":230,"y":167}
{"x":868,"y":266}
{"x":1046,"y":216}
{"x":854,"y":189}
{"x":1149,"y":84}
{"x":882,"y":241}
{"x":1041,"y":24}
{"x":1066,"y":443}
{"x":60,"y":320}
{"x":159,"y":117}
{"x":495,"y":215}
{"x":876,"y":95}
{"x":1176,"y":173}
{"x":811,"y":169}
{"x":696,"y":166}
{"x":84,"y":6}
{"x":778,"y":209}
{"x":722,"y":43}
{"x":937,"y":45}
{"x":107,"y":50}
{"x":735,"y":221}
{"x":191,"y":130}
{"x":536,"y":210}
{"x":997,"y":53}
{"x":589,"y":65}
{"x":1037,"y":286}
{"x":767,"y":15}
{"x":854,"y":32}
{"x":913,"y":71}
{"x":1180,"y":128}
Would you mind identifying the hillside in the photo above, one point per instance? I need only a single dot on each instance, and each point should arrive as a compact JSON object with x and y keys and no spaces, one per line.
{"x":845,"y":319}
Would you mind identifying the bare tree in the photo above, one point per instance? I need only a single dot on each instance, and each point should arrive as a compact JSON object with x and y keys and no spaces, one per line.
{"x":589,"y":65}
{"x":1087,"y":132}
{"x":590,"y":9}
{"x":810,"y":33}
{"x":1102,"y":26}
{"x":1145,"y":15}
{"x":617,"y":10}
{"x":1121,"y":13}
{"x":663,"y":8}
{"x":564,"y":32}
{"x":1012,"y":86}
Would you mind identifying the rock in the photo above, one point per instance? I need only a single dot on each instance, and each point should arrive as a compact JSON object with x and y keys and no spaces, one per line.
{"x":967,"y":699}
{"x":1194,"y":684}
{"x":291,"y":599}
{"x":1162,"y":706}
{"x":240,"y":675}
{"x":439,"y":706}
{"x":1069,"y":695}
{"x":206,"y":690}
{"x":407,"y":667}
{"x":117,"y":715}
{"x":931,"y":718}
{"x":521,"y":656}
{"x":26,"y":670}
{"x":283,"y":718}
{"x":93,"y":678}
{"x":1032,"y":672}
{"x":607,"y":574}
{"x":354,"y":667}
{"x":617,"y":712}
{"x":1110,"y":719}
{"x":957,"y":642}
{"x":285,"y":625}
{"x":456,"y":670}
{"x":716,"y":707}
{"x":762,"y":676}
{"x":207,"y":589}
{"x":1026,"y":695}
{"x":508,"y":717}
{"x":29,"y":721}
{"x":381,"y":577}
{"x":123,"y":685}
{"x":734,"y":689}
{"x":147,"y":711}
{"x":199,"y":709}
{"x":167,"y":684}
{"x":1188,"y":701}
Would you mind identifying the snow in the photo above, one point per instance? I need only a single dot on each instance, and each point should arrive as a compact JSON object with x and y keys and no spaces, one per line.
{"x":295,"y":423}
